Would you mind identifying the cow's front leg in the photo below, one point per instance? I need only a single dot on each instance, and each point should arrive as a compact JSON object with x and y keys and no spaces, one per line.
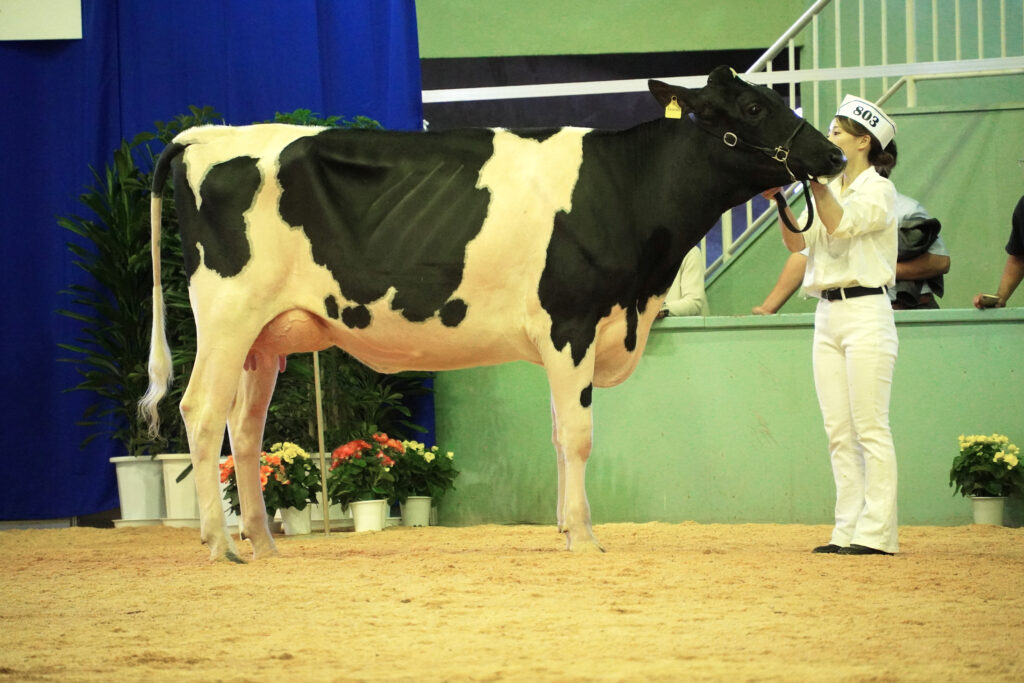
{"x":246,"y":425}
{"x":560,"y":462}
{"x":571,"y":388}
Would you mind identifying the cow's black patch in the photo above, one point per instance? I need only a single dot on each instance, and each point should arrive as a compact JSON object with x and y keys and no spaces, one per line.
{"x":586,"y":396}
{"x":386,"y":209}
{"x":453,"y":312}
{"x":538,"y":134}
{"x":634,"y":216}
{"x":227,"y":191}
{"x":356,"y":317}
{"x":331,"y":306}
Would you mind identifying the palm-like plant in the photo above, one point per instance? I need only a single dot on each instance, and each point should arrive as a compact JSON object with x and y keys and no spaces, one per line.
{"x":112,"y":348}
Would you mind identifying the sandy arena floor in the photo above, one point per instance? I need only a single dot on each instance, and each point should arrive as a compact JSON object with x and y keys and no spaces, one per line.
{"x":666,"y":602}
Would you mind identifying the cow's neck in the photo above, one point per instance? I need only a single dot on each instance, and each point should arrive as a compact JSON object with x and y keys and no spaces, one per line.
{"x":673,"y":182}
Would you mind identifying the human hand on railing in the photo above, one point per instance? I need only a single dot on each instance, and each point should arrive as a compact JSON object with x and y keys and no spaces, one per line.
{"x":988,"y":301}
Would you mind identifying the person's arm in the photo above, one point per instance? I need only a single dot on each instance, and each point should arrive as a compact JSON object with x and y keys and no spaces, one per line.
{"x":1013,"y":273}
{"x":924,"y":267}
{"x":789,"y":281}
{"x":829,"y":210}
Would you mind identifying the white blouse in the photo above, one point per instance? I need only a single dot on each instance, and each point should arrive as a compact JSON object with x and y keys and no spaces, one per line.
{"x":862,"y":249}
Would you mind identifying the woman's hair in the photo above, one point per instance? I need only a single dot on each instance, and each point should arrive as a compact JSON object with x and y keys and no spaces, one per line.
{"x":882,"y":159}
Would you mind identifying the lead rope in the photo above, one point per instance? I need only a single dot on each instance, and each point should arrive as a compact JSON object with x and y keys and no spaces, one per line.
{"x":780,"y":200}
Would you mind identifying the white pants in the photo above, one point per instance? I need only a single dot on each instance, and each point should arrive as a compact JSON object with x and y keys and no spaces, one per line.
{"x":855,"y":348}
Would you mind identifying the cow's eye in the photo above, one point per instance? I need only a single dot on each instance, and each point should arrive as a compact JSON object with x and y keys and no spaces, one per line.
{"x":753,"y":109}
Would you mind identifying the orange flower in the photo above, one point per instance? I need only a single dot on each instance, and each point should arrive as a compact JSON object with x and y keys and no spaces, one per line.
{"x":227,"y":468}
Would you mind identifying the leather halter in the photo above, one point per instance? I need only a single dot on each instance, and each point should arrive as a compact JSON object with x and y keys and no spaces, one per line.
{"x":779,"y":154}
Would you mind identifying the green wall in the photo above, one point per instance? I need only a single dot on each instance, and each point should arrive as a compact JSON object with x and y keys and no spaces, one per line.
{"x":720,"y":423}
{"x":487,"y":28}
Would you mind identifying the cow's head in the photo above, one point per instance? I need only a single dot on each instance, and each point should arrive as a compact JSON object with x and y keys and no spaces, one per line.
{"x":778,"y":147}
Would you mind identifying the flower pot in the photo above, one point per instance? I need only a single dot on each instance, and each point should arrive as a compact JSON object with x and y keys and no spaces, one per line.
{"x":368,"y":515}
{"x":140,"y":487}
{"x":296,"y":522}
{"x":341,"y":517}
{"x":988,"y":509}
{"x":180,"y":497}
{"x":416,"y":511}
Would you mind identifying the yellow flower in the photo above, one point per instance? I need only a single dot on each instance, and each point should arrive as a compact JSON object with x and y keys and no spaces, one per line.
{"x":428,"y":456}
{"x":450,"y":455}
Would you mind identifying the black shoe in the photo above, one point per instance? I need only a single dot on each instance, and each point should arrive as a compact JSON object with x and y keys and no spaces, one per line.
{"x":855,"y":549}
{"x":830,"y":548}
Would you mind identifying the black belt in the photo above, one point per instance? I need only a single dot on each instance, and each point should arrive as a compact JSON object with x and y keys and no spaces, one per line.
{"x":849,"y":292}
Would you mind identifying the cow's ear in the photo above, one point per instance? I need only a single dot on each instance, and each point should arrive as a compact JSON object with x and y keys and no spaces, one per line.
{"x":721,"y":75}
{"x":663,"y":92}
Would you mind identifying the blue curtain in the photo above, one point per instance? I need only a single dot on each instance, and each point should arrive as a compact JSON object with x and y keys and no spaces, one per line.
{"x":65,"y":106}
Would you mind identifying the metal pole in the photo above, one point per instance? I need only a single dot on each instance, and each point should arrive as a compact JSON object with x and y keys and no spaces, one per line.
{"x":325,"y":504}
{"x":779,"y":44}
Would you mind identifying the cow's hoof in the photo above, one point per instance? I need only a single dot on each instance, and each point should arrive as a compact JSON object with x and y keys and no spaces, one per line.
{"x":259,"y":553}
{"x":583,"y":545}
{"x":228,"y":555}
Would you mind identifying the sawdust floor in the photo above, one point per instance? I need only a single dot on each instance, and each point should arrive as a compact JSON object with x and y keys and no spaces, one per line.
{"x":666,"y":602}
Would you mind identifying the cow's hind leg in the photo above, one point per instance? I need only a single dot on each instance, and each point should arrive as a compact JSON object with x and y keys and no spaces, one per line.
{"x":246,"y":424}
{"x":204,"y":409}
{"x":571,"y":388}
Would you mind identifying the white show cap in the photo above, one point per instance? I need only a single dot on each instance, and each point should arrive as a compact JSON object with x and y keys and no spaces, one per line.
{"x":871,"y":117}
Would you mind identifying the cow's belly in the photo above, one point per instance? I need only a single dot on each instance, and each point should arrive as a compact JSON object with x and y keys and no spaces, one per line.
{"x":393,"y":348}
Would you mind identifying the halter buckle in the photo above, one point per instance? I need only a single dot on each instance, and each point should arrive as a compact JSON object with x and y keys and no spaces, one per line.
{"x":730,"y":139}
{"x":781,"y":155}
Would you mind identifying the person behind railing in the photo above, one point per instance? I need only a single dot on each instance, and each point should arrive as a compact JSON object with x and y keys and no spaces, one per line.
{"x":851,"y":260}
{"x":921,"y":262}
{"x":1013,"y":271}
{"x":687,"y":295}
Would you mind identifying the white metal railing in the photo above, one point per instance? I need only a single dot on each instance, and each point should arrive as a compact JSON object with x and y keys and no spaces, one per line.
{"x":879,"y":31}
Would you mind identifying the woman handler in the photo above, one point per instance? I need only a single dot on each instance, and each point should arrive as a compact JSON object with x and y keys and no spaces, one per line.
{"x":851,"y":260}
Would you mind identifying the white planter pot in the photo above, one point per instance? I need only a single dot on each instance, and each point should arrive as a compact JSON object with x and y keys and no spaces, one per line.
{"x":140,"y":487}
{"x":180,"y":497}
{"x":416,"y":511}
{"x":296,"y":522}
{"x":988,"y":509}
{"x":341,"y":518}
{"x":369,"y":515}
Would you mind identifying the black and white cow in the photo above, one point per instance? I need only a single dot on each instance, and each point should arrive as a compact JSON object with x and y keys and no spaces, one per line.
{"x":433,"y":251}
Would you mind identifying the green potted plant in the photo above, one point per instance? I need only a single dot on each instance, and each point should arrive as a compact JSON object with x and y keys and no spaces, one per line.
{"x":111,"y":244}
{"x":290,"y":481}
{"x":987,"y":470}
{"x":360,"y":478}
{"x":422,"y":477}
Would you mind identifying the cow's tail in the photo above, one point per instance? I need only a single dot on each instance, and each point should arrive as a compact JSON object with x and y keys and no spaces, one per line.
{"x":161,"y":369}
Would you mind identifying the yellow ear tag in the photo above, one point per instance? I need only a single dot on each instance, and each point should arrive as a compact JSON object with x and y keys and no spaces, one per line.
{"x":673,"y":110}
